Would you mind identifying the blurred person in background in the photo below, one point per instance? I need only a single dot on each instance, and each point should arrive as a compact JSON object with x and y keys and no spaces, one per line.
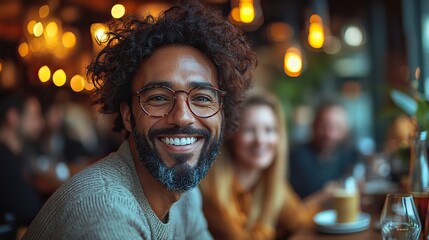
{"x":21,"y":124}
{"x":69,"y":142}
{"x":246,"y":195}
{"x":328,"y":156}
{"x":397,"y":147}
{"x":174,"y":83}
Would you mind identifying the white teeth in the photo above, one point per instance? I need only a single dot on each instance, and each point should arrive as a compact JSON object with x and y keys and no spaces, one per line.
{"x":179,"y":141}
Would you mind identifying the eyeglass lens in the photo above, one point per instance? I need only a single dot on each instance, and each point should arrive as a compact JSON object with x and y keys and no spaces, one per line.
{"x":159,"y":101}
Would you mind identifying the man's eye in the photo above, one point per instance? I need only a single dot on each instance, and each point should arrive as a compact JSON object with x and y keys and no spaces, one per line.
{"x":202,"y":99}
{"x":158,"y":99}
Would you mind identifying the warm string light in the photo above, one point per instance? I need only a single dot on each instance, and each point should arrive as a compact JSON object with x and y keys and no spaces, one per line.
{"x":246,"y":14}
{"x":246,"y":11}
{"x":45,"y":37}
{"x":316,"y":35}
{"x":99,"y":36}
{"x":46,"y":41}
{"x":293,"y":62}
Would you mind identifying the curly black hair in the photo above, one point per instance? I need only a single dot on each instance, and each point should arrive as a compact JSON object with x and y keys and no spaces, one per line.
{"x":187,"y":23}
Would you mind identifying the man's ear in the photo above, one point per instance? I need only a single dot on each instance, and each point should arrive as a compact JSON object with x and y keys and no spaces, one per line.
{"x":126,"y":115}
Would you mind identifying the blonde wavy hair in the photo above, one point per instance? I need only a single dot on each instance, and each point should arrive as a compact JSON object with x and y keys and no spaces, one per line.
{"x":268,"y":195}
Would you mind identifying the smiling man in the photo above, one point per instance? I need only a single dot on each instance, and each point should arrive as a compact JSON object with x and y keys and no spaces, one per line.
{"x":175,"y":83}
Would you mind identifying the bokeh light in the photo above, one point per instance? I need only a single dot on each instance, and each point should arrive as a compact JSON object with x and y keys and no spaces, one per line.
{"x":23,"y":49}
{"x":247,"y":11}
{"x":38,"y":29}
{"x":44,"y":74}
{"x":99,"y":31}
{"x":316,"y":34}
{"x":77,"y":83}
{"x":293,"y":62}
{"x":44,"y":11}
{"x":51,"y":29}
{"x":59,"y":77}
{"x":280,"y":31}
{"x":235,"y":14}
{"x":332,"y":45}
{"x":69,"y":39}
{"x":35,"y":45}
{"x":30,"y":26}
{"x":89,"y":86}
{"x":118,"y":11}
{"x":353,"y":36}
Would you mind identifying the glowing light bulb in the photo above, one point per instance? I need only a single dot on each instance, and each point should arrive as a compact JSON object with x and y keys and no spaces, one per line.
{"x":247,"y":11}
{"x":316,"y":36}
{"x":101,"y":34}
{"x":293,"y":62}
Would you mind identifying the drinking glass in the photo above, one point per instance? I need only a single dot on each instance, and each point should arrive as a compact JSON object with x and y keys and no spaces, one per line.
{"x":399,"y":219}
{"x":346,"y":201}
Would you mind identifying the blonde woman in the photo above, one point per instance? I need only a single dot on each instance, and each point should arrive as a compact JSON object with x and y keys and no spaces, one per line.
{"x":245,"y":195}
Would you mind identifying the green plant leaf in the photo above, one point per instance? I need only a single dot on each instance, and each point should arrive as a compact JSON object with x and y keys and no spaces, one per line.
{"x":422,"y":114}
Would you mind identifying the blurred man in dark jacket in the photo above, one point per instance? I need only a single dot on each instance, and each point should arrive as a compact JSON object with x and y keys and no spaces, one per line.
{"x":328,"y":156}
{"x":21,"y":122}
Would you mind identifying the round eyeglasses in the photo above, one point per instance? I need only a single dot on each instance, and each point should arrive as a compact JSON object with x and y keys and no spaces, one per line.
{"x":158,"y":100}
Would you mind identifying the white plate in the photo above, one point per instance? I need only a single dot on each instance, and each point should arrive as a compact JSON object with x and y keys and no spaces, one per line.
{"x":326,"y":222}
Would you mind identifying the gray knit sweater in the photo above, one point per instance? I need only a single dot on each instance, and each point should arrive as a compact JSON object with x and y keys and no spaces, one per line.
{"x":106,"y":201}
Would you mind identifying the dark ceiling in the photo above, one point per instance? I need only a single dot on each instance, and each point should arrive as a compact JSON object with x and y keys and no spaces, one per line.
{"x":295,"y":12}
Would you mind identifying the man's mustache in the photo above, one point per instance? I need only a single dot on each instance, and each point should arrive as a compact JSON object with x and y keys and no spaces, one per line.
{"x":188,"y":130}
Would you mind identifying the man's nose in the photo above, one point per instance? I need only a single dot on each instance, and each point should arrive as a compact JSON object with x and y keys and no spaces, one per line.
{"x":180,"y":115}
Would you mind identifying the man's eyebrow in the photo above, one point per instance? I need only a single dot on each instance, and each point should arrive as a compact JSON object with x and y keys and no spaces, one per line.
{"x":162,"y":83}
{"x":200,"y":84}
{"x":170,"y":85}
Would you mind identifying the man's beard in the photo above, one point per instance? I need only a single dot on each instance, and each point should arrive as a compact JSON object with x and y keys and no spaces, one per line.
{"x":180,"y":177}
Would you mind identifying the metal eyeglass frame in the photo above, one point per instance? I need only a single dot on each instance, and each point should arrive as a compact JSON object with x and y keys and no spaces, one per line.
{"x":138,"y":92}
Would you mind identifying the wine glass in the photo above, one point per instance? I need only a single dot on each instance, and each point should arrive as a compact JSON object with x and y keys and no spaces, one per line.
{"x":399,"y":219}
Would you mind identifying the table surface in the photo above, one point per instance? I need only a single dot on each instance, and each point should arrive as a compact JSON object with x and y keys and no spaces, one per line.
{"x":370,"y":204}
{"x":370,"y":233}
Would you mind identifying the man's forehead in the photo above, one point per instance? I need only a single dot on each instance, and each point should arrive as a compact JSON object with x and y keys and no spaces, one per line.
{"x":176,"y":66}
